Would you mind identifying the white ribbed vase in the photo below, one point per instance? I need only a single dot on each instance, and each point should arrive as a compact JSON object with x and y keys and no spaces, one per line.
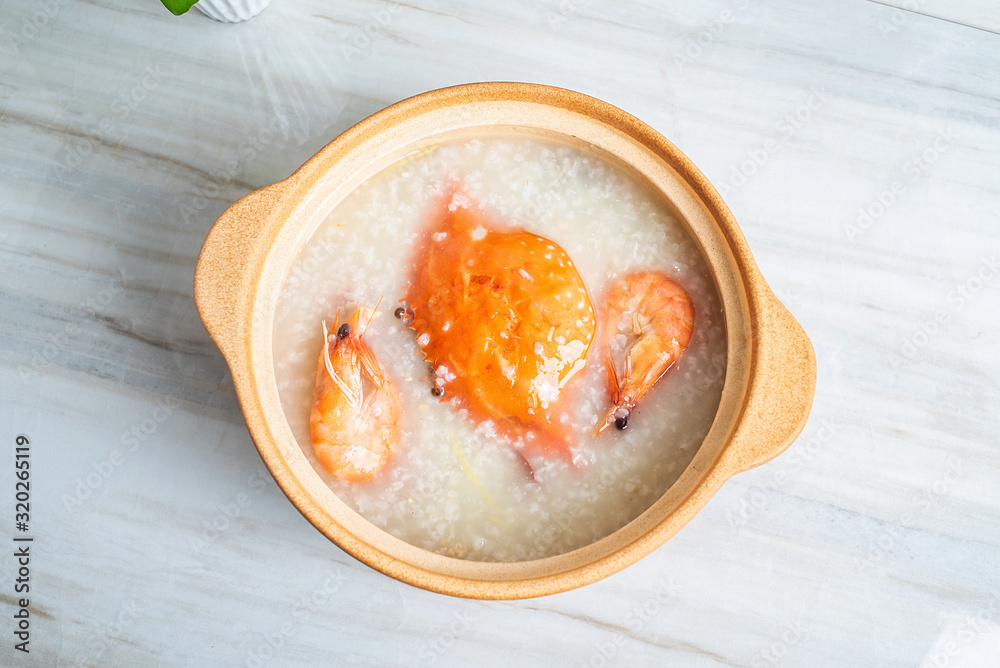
{"x":232,"y":11}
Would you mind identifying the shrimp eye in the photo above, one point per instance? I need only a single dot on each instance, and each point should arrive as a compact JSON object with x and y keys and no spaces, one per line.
{"x":437,"y":391}
{"x":344,"y":331}
{"x":621,"y":423}
{"x":404,"y":313}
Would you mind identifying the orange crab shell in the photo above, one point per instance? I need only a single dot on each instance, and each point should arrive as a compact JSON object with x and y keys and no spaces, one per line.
{"x":504,"y":318}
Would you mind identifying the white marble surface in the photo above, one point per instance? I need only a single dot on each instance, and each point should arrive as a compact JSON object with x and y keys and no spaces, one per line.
{"x":872,"y":541}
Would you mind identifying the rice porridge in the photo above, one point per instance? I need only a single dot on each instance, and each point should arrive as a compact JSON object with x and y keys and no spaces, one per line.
{"x":455,"y":484}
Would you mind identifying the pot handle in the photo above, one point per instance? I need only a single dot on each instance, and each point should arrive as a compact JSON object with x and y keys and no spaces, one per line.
{"x":228,"y":264}
{"x":781,"y":391}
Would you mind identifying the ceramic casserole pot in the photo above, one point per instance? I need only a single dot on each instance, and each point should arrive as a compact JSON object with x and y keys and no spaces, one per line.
{"x":770,"y":374}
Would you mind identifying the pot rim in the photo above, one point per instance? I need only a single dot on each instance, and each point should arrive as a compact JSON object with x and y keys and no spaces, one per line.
{"x":770,"y":376}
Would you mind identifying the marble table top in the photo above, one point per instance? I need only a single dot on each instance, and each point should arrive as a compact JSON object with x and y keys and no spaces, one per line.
{"x":857,"y":143}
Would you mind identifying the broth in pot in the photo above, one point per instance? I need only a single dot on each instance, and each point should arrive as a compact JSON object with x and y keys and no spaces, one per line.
{"x":547,"y":354}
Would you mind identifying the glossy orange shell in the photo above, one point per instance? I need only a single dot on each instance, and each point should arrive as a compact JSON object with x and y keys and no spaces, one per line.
{"x":505,"y":320}
{"x":352,"y":438}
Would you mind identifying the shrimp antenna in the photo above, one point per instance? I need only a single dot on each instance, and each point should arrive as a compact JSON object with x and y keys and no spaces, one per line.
{"x":373,"y":311}
{"x":329,"y":366}
{"x":613,"y":368}
{"x":615,"y":394}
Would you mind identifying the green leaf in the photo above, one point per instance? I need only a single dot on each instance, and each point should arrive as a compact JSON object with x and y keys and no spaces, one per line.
{"x":178,"y":7}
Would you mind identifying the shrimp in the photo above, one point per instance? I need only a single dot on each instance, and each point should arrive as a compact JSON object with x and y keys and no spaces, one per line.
{"x":650,"y":318}
{"x":353,"y":428}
